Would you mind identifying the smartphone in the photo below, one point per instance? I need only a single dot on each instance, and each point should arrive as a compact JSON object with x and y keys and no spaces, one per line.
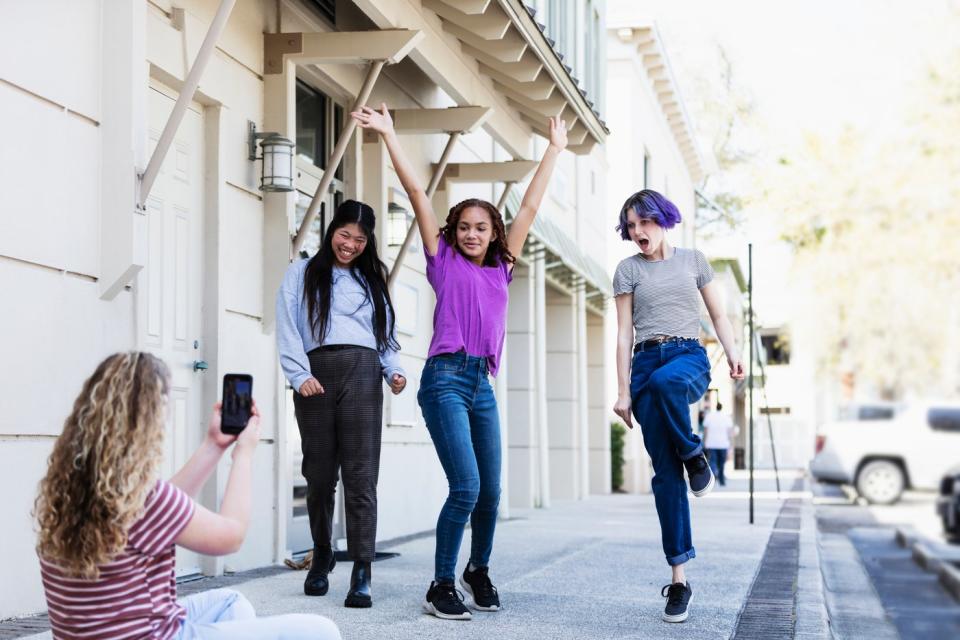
{"x":237,"y":402}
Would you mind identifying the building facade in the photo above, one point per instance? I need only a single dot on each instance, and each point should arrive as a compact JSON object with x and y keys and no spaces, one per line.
{"x":191,"y":273}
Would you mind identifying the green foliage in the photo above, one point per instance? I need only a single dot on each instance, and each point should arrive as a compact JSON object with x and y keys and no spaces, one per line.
{"x":617,"y":434}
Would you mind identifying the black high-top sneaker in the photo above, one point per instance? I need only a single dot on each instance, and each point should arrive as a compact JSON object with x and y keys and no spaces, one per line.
{"x":323,"y":563}
{"x":678,"y":597}
{"x":444,"y":601}
{"x":482,"y":592}
{"x":699,"y":475}
{"x":359,"y":595}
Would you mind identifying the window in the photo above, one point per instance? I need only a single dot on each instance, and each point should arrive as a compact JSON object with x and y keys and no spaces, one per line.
{"x":944,"y":419}
{"x":558,"y":26}
{"x":319,"y":120}
{"x":326,"y":8}
{"x":776,"y":349}
{"x":592,"y":72}
{"x":773,"y":411}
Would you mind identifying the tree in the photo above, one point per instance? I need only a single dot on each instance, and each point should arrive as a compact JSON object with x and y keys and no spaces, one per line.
{"x":875,"y":226}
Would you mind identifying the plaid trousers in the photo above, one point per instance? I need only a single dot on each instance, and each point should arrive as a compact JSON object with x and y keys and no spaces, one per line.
{"x":340,"y":430}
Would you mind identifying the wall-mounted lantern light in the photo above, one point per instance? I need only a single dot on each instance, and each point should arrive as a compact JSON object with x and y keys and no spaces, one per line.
{"x":276,"y":173}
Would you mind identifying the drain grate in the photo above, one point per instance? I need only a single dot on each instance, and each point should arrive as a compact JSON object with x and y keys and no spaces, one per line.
{"x":770,"y":608}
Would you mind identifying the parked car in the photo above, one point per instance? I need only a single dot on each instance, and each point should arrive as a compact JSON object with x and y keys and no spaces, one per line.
{"x":882,"y":457}
{"x":948,"y":504}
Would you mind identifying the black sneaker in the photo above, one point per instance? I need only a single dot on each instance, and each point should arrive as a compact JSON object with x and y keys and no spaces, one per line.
{"x":444,"y":601}
{"x":678,"y":597}
{"x":700,"y":475}
{"x":482,"y":592}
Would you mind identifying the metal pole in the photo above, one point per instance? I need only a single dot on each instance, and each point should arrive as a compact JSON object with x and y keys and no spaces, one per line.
{"x":766,"y":403}
{"x":375,"y":67}
{"x":183,"y":101}
{"x":431,"y":189}
{"x":750,"y":375}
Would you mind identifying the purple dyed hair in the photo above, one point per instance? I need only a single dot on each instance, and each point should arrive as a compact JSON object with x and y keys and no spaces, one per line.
{"x":651,"y":205}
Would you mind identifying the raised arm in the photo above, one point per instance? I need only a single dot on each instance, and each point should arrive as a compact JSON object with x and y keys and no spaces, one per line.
{"x":624,"y":346}
{"x":530,"y":204}
{"x":382,"y":123}
{"x":721,"y":325}
{"x":220,"y":533}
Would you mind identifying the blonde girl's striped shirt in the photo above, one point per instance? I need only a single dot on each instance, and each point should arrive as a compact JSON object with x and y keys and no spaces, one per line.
{"x":136,"y":593}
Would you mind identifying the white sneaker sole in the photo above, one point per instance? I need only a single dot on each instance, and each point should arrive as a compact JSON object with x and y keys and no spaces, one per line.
{"x":707,"y":489}
{"x":473,"y":602}
{"x":680,"y":617}
{"x":432,"y":610}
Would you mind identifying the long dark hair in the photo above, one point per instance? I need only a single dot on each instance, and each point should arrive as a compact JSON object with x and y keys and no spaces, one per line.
{"x":367,"y":269}
{"x":497,"y":251}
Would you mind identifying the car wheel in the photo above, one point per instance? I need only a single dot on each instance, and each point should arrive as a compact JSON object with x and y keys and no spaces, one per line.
{"x":881,"y":482}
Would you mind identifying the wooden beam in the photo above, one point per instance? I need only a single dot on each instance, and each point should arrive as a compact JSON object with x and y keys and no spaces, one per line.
{"x":470,"y":7}
{"x":583,"y":149}
{"x":491,"y":25}
{"x":508,"y":171}
{"x":509,"y":48}
{"x":540,"y":89}
{"x":538,"y":120}
{"x":525,"y":70}
{"x":390,"y":45}
{"x":553,"y":106}
{"x":459,"y":119}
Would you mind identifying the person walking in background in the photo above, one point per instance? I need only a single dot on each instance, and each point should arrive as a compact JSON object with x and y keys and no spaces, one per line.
{"x":658,"y":318}
{"x":336,"y":338}
{"x":469,"y":265}
{"x":718,"y":432}
{"x":108,"y":526}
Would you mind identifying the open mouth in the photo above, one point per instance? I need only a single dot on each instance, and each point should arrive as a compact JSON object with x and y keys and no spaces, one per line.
{"x":644,"y":243}
{"x":346,"y":255}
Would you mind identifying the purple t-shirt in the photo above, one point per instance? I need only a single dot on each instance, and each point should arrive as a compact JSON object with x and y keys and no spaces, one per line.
{"x":471,"y":311}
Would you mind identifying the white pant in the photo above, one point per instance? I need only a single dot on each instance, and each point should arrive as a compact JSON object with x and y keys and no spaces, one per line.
{"x":222,"y":614}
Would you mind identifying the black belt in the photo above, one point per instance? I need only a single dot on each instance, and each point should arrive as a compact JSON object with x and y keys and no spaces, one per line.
{"x":656,"y":342}
{"x":337,"y":347}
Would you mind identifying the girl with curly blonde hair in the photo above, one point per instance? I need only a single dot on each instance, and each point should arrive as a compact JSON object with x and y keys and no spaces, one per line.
{"x":108,"y":526}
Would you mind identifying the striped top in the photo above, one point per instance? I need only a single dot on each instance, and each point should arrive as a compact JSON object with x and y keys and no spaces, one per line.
{"x":666,"y":293}
{"x":136,"y":593}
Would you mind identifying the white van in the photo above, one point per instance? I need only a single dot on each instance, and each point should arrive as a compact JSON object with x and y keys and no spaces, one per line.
{"x":882,"y":457}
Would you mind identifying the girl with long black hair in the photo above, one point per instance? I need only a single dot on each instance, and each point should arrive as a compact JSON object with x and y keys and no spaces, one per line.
{"x":335,"y":336}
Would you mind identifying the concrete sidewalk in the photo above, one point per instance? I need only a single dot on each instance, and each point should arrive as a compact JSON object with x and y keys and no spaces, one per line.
{"x":590,"y":569}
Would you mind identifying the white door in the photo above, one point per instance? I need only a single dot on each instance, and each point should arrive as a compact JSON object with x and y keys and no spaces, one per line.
{"x":168,"y":290}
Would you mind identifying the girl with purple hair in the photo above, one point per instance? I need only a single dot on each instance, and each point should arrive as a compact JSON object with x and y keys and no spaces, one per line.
{"x":658,"y":318}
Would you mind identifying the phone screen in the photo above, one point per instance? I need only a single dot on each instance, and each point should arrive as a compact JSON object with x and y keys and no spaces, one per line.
{"x":237,"y":401}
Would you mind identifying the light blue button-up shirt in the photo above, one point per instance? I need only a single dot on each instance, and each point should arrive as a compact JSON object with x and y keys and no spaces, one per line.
{"x":351,"y":322}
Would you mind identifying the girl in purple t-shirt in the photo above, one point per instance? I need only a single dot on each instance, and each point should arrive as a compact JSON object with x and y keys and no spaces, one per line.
{"x":469,"y":265}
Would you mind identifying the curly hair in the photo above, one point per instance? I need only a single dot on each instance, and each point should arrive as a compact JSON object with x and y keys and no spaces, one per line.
{"x":497,"y":252}
{"x":103,"y":464}
{"x":651,"y":205}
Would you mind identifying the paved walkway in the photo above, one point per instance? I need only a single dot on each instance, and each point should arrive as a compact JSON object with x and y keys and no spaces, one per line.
{"x":590,"y":569}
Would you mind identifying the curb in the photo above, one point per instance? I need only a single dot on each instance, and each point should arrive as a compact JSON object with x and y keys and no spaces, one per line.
{"x":950,"y":579}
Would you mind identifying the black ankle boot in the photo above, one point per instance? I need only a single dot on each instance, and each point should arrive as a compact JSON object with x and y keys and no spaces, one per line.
{"x":323,"y":563}
{"x":359,"y":596}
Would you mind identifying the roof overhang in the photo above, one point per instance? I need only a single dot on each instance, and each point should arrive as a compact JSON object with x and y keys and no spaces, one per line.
{"x":653,"y":54}
{"x":494,"y":49}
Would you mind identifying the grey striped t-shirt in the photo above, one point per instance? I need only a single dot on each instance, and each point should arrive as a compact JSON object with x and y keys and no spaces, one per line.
{"x":666,"y":293}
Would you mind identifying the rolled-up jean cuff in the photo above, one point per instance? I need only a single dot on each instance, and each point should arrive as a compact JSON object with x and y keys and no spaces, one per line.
{"x":683,"y":557}
{"x":694,"y":453}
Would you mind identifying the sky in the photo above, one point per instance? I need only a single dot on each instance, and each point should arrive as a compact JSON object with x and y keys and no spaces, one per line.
{"x":813,"y":66}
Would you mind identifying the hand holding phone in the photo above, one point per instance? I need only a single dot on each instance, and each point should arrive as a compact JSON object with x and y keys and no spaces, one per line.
{"x":237,"y":404}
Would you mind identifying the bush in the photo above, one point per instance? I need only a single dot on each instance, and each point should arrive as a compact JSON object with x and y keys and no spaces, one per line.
{"x":617,"y":434}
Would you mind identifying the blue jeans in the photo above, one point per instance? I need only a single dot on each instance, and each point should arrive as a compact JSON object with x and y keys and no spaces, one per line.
{"x":664,"y":381}
{"x":718,"y":459}
{"x":224,"y":614}
{"x":461,"y":414}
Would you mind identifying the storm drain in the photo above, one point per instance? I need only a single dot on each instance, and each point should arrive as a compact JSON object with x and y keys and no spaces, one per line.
{"x":770,"y":608}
